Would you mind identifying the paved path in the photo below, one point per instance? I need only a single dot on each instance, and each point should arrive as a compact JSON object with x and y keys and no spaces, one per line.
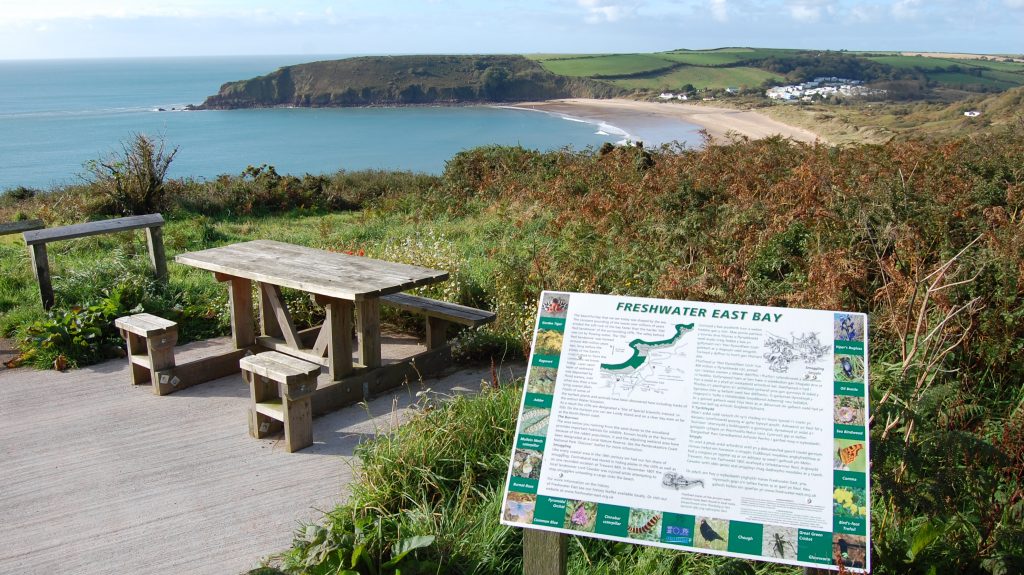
{"x":98,"y":477}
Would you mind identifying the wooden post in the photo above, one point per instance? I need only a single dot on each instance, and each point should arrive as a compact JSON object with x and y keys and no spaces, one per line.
{"x":240,"y":297}
{"x":368,"y":326}
{"x":544,"y":553}
{"x":157,"y":259}
{"x":268,"y":319}
{"x":337,"y":332}
{"x":437,"y":332}
{"x":41,"y":269}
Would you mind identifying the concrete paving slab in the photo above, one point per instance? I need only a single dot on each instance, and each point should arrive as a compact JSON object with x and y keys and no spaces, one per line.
{"x":100,"y":477}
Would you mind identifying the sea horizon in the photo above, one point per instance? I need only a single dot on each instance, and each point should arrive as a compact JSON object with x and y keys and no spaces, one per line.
{"x":59,"y":114}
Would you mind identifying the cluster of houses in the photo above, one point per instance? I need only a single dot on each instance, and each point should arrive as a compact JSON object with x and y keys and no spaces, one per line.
{"x":822,"y":87}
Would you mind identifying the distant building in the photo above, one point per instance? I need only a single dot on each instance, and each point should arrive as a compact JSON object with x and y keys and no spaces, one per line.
{"x":667,"y":96}
{"x":972,"y":113}
{"x":822,"y":87}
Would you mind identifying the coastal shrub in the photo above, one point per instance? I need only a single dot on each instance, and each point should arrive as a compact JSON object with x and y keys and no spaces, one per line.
{"x":132,"y":182}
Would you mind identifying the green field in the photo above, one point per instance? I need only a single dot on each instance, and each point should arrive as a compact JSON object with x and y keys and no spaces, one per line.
{"x":701,"y":77}
{"x":707,"y":58}
{"x":724,"y":67}
{"x":603,"y":66}
{"x":961,"y":80}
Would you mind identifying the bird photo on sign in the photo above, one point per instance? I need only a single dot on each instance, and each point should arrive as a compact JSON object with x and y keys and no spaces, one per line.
{"x":712,"y":534}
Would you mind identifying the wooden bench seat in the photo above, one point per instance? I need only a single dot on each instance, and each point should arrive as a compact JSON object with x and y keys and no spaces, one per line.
{"x":439,"y":315}
{"x":36,"y":241}
{"x":20,"y":227}
{"x":280,"y":390}
{"x":151,"y":340}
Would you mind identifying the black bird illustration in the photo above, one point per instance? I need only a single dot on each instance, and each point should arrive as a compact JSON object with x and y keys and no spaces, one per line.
{"x":847,"y":366}
{"x":844,"y":548}
{"x":708,"y":533}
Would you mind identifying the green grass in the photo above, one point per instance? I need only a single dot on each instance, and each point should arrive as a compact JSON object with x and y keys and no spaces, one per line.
{"x":701,"y":77}
{"x":603,"y":66}
{"x":959,"y":80}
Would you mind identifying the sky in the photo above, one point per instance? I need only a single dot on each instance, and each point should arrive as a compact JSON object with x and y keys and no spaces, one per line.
{"x":146,"y":28}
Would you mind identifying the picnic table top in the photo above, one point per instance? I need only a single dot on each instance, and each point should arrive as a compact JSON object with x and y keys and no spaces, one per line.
{"x":312,"y":270}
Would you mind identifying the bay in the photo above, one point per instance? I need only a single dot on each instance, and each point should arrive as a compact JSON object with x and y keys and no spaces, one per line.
{"x":56,"y":115}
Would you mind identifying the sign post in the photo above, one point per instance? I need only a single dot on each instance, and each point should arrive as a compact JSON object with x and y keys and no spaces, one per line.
{"x":716,"y":428}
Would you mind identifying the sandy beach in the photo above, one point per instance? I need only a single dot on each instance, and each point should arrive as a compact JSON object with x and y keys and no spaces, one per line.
{"x":655,"y":123}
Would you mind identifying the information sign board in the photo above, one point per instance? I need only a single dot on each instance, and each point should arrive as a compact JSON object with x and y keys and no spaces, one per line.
{"x":726,"y":429}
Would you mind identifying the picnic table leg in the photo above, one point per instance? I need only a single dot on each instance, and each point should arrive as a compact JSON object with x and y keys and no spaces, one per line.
{"x":338,"y":325}
{"x":243,"y":333}
{"x":368,"y":326}
{"x":242,"y":330}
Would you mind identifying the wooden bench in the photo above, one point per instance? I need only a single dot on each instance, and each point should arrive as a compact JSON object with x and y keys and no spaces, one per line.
{"x":36,"y":240}
{"x":20,"y":226}
{"x":281,"y":389}
{"x":439,"y":315}
{"x":151,"y":342}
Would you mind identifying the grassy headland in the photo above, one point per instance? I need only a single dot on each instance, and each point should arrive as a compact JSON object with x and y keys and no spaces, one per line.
{"x":404,"y":80}
{"x":926,"y":236}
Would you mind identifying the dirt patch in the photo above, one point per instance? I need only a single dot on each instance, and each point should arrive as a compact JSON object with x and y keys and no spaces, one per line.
{"x":8,"y":351}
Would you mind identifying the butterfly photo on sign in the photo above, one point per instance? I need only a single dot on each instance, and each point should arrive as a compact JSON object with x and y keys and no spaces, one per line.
{"x":554,"y":305}
{"x":519,"y":507}
{"x":849,"y":455}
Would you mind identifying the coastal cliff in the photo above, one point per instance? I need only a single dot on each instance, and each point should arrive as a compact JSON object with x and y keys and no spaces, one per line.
{"x":405,"y":80}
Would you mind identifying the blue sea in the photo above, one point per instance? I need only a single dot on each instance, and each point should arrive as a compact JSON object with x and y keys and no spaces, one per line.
{"x":56,"y":115}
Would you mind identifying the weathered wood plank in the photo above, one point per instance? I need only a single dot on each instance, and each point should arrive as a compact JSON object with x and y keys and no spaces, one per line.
{"x":368,"y":326}
{"x":369,"y":382}
{"x":439,"y":309}
{"x":243,"y":332}
{"x":337,"y":338}
{"x":22,"y":226}
{"x":198,"y":371}
{"x":92,"y":228}
{"x":544,"y":553}
{"x":315,"y":271}
{"x":279,"y":367}
{"x":275,"y":344}
{"x":157,"y":258}
{"x":41,"y":269}
{"x":270,"y":294}
{"x":144,"y":324}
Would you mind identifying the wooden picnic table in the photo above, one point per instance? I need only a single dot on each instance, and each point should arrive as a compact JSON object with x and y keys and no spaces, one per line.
{"x":349,"y":287}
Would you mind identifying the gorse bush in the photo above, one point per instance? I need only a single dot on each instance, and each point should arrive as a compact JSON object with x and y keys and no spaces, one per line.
{"x":132,"y":182}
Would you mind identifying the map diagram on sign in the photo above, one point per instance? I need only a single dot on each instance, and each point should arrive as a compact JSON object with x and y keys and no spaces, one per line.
{"x":654,"y":366}
{"x":782,"y":352}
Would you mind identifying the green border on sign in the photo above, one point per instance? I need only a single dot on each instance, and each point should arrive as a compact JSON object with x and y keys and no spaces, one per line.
{"x":549,"y":511}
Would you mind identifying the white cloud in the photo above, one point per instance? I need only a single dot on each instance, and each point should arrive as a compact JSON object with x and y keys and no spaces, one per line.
{"x":906,"y":9}
{"x":861,"y":14}
{"x":606,"y":10}
{"x":1014,"y":3}
{"x":805,"y":10}
{"x":720,"y":10}
{"x":810,"y":10}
